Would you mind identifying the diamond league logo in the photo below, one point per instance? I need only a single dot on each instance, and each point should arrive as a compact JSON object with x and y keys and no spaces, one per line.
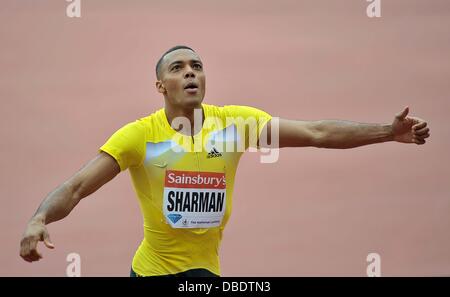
{"x":174,"y":217}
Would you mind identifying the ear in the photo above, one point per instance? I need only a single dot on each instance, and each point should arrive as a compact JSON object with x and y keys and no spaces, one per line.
{"x":160,"y":87}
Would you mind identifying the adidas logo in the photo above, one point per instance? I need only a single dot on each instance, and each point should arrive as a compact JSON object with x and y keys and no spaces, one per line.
{"x":214,"y":153}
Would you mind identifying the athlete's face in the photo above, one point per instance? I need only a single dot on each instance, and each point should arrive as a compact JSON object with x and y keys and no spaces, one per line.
{"x":182,"y":79}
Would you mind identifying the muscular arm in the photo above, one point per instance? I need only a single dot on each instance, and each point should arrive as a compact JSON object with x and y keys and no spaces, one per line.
{"x":60,"y":202}
{"x":340,"y":134}
{"x":332,"y":134}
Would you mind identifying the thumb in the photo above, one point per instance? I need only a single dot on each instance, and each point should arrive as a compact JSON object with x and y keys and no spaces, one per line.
{"x":47,"y":241}
{"x":401,"y":115}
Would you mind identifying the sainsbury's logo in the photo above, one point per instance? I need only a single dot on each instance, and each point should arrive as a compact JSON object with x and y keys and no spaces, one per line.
{"x":191,"y":179}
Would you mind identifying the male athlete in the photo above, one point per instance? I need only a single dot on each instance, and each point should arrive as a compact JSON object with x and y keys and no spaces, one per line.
{"x":183,"y":167}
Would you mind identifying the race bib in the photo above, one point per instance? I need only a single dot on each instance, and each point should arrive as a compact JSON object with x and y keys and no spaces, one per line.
{"x":194,"y":199}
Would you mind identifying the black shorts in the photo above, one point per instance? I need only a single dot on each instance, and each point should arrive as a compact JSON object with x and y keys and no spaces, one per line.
{"x":199,"y":272}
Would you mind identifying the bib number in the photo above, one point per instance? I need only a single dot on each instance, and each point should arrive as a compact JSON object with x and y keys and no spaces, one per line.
{"x":194,"y":199}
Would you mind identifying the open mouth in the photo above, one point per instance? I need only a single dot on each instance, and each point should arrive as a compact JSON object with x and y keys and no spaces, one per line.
{"x":191,"y":88}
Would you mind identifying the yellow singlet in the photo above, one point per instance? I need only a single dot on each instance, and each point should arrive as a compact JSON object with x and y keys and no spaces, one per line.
{"x":184,"y":184}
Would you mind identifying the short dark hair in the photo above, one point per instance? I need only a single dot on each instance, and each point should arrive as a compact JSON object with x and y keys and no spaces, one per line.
{"x":158,"y":65}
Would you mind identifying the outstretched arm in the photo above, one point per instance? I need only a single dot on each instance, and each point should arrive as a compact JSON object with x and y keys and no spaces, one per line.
{"x":59,"y":203}
{"x":346,"y":134}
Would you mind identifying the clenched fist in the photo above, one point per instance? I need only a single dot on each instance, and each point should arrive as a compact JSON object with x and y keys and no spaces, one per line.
{"x":409,"y":129}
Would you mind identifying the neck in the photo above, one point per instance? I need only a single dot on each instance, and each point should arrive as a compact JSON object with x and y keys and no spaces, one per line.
{"x":173,"y":112}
